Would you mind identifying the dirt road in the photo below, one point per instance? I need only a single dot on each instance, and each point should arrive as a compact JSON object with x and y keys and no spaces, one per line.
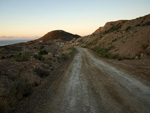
{"x":90,"y":85}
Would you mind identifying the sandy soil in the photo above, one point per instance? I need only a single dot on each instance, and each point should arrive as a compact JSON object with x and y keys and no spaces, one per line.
{"x":91,"y":85}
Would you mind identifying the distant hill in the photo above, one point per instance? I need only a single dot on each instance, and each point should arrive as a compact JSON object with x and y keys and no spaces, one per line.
{"x":58,"y":35}
{"x":130,"y":38}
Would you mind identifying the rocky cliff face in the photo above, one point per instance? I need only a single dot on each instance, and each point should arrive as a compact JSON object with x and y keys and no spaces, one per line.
{"x":130,"y":38}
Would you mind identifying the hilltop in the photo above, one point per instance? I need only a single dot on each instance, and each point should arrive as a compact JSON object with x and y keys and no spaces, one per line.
{"x":58,"y":35}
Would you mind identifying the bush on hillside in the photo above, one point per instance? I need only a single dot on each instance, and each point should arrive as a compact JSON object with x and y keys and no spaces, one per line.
{"x":104,"y":52}
{"x":41,"y":72}
{"x":24,"y":56}
{"x":43,"y":52}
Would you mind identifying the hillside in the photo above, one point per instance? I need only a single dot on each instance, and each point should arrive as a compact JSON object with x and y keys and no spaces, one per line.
{"x":128,"y":38}
{"x":59,"y":35}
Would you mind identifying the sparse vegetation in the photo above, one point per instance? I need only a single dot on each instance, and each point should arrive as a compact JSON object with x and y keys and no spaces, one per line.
{"x":128,"y":28}
{"x":71,"y":48}
{"x":144,"y":46}
{"x":41,"y":72}
{"x":24,"y":56}
{"x":43,"y":52}
{"x":114,"y":28}
{"x":42,"y":47}
{"x":138,"y":55}
{"x":13,"y":48}
{"x":114,"y":40}
{"x":146,"y":24}
{"x":38,"y":57}
{"x":64,"y":56}
{"x":16,"y":92}
{"x":104,"y":52}
{"x":138,"y":25}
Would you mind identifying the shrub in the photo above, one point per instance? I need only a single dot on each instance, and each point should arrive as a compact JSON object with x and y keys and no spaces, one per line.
{"x":42,"y":47}
{"x":4,"y":106}
{"x":42,"y":72}
{"x":146,"y":24}
{"x":148,"y":53}
{"x":144,"y":46}
{"x":114,"y":28}
{"x":104,"y":53}
{"x":137,"y":25}
{"x":71,"y":48}
{"x":138,"y":55}
{"x":24,"y":56}
{"x":64,"y":56}
{"x":128,"y":28}
{"x":114,"y":40}
{"x":43,"y":52}
{"x":20,"y":89}
{"x":38,"y":57}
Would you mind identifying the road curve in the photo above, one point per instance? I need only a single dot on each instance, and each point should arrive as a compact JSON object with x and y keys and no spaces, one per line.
{"x":90,"y":85}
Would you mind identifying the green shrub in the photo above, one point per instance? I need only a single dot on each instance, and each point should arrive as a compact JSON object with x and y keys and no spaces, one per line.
{"x":24,"y":56}
{"x":42,"y":47}
{"x":137,"y":25}
{"x":38,"y":57}
{"x":146,"y":24}
{"x":104,"y":52}
{"x":42,"y":72}
{"x":43,"y":52}
{"x":138,"y":55}
{"x":20,"y":89}
{"x":128,"y":28}
{"x":64,"y":56}
{"x":114,"y":28}
{"x":114,"y":40}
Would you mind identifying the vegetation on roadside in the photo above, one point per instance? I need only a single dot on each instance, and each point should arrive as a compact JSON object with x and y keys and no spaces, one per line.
{"x":24,"y":56}
{"x":41,"y":72}
{"x":16,"y":92}
{"x":104,"y":52}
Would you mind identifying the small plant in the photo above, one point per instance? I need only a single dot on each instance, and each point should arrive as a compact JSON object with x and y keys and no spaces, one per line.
{"x":138,"y":55}
{"x":148,"y":53}
{"x":38,"y":57}
{"x":71,"y":48}
{"x":145,"y":46}
{"x":146,"y":24}
{"x":128,"y":28}
{"x":104,"y":52}
{"x":20,"y":89}
{"x":24,"y":56}
{"x":42,"y":72}
{"x":114,"y":40}
{"x":42,"y":47}
{"x":137,"y":25}
{"x":114,"y":28}
{"x":43,"y":52}
{"x":64,"y":56}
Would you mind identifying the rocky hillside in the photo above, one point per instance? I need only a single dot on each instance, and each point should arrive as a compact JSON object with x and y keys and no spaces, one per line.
{"x":26,"y":68}
{"x":59,"y":35}
{"x":128,"y":38}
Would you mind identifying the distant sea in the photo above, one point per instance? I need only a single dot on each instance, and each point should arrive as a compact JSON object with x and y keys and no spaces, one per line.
{"x":8,"y":42}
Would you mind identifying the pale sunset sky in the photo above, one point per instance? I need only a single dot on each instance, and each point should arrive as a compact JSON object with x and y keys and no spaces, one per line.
{"x":26,"y":19}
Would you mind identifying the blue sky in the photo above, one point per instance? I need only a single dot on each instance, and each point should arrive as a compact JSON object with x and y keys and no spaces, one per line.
{"x":34,"y":18}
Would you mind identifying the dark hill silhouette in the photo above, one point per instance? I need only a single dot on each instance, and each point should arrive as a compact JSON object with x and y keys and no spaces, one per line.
{"x":59,"y":35}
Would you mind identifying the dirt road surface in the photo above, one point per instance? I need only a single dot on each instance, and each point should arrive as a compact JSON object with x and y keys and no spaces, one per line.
{"x":90,"y":85}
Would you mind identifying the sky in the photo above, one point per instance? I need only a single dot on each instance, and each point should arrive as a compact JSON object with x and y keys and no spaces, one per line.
{"x":23,"y":19}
